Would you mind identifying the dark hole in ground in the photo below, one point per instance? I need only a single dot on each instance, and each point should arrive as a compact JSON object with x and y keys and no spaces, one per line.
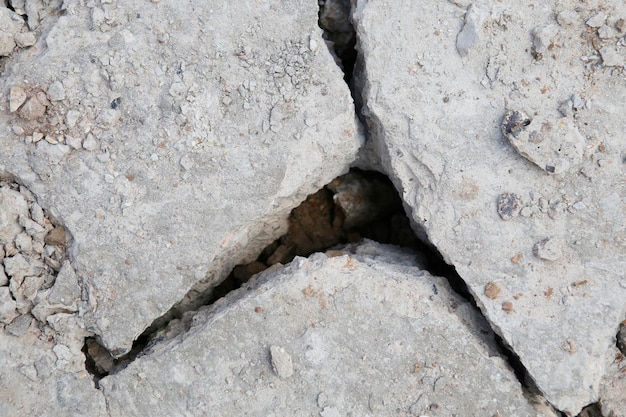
{"x":358,"y":205}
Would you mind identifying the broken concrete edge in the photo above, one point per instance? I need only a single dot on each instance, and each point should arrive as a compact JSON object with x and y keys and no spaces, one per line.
{"x":368,"y":252}
{"x":375,"y":145}
{"x":365,"y":257}
{"x":266,"y":231}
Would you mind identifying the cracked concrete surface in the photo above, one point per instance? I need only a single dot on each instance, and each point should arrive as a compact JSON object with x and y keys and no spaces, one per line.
{"x":171,"y":140}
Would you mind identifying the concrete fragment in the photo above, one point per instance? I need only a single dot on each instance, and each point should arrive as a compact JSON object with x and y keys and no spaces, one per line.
{"x":34,"y":383}
{"x":611,"y":57}
{"x":12,"y":206}
{"x":25,"y":39}
{"x":20,"y":325}
{"x":281,"y":362}
{"x":366,"y":336}
{"x":438,"y":151}
{"x":4,"y":280}
{"x":147,"y":229}
{"x":7,"y":44}
{"x":613,"y":386}
{"x":66,"y":291}
{"x":8,"y":307}
{"x":596,"y":20}
{"x":19,"y":266}
{"x":17,"y":97}
{"x":32,"y":109}
{"x":555,"y":146}
{"x":56,"y":91}
{"x":471,"y":30}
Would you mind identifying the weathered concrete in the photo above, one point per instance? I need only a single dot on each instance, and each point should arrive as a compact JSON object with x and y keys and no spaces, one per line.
{"x":554,"y":244}
{"x":172,"y":139}
{"x":613,"y":386}
{"x":362,"y":334}
{"x":42,"y":372}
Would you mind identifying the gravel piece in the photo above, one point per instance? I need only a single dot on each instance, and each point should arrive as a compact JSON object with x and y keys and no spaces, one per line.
{"x":8,"y":307}
{"x":20,"y":325}
{"x":281,"y":362}
{"x":471,"y":30}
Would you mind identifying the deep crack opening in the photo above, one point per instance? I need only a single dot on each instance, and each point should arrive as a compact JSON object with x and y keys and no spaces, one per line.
{"x":358,"y":205}
{"x":327,"y":226}
{"x":339,"y":34}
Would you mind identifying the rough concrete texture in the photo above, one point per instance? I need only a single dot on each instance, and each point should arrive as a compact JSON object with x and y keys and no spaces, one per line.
{"x":613,"y":386}
{"x":366,"y":334}
{"x":171,"y":139}
{"x":42,"y":373}
{"x":437,"y":83}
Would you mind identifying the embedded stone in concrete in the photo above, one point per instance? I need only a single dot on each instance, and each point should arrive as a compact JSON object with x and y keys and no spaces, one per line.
{"x":352,"y":334}
{"x":436,"y":118}
{"x":176,"y":147}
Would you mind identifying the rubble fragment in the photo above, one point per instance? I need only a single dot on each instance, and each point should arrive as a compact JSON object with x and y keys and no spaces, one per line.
{"x":555,"y":146}
{"x":472,"y":28}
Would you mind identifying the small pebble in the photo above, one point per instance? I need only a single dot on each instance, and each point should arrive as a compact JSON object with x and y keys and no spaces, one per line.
{"x":509,"y":205}
{"x":281,"y":362}
{"x":597,"y":20}
{"x":32,"y":109}
{"x":547,"y":249}
{"x":492,"y":290}
{"x":25,"y":39}
{"x":507,"y":306}
{"x":17,"y":97}
{"x":56,"y":91}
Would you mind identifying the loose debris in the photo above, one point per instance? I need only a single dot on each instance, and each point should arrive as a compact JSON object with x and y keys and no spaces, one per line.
{"x":36,"y":276}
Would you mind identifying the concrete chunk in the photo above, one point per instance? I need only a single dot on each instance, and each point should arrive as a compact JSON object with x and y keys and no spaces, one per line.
{"x":442,"y":136}
{"x":182,"y":179}
{"x":366,"y":337}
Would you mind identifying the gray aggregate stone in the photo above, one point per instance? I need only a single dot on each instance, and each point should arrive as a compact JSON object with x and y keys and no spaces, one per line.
{"x":339,"y":319}
{"x":190,"y":135}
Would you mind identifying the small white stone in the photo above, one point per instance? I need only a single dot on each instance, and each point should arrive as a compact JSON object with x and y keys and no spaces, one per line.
{"x":72,"y":142}
{"x":62,"y":352}
{"x":281,"y":362}
{"x":32,"y":109}
{"x":610,"y":57}
{"x":71,"y":118}
{"x":56,"y":91}
{"x":25,"y":39}
{"x":90,"y":143}
{"x":37,"y":136}
{"x":597,"y":20}
{"x":17,"y":97}
{"x":7,"y":306}
{"x":186,"y":163}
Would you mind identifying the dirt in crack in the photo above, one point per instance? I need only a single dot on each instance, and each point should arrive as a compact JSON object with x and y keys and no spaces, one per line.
{"x":360,"y":204}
